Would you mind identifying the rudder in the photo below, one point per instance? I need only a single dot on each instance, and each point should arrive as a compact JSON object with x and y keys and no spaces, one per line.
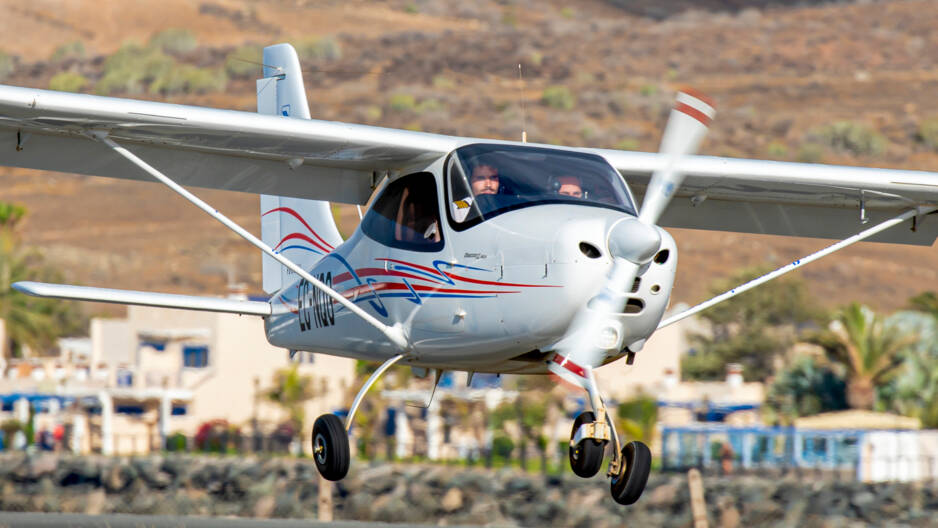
{"x":303,"y":230}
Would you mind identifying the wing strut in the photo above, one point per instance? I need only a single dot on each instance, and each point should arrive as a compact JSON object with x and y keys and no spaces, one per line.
{"x":912,"y":213}
{"x":393,"y":333}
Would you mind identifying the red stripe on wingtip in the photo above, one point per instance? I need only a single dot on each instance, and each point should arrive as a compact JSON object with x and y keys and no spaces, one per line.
{"x":703,"y":97}
{"x":693,"y":112}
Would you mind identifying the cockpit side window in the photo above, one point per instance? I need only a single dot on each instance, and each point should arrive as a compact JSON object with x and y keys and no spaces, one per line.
{"x":407,"y":215}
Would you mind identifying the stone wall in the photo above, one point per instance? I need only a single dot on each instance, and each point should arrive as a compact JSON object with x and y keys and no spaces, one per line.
{"x":436,"y":494}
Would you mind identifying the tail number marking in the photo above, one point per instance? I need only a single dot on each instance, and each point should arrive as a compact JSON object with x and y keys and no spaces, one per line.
{"x":314,"y":306}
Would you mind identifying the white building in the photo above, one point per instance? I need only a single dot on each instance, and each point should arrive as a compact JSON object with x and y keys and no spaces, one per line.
{"x":162,"y":371}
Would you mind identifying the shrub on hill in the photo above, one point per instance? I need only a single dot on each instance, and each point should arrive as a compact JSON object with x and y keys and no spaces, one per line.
{"x":558,"y":97}
{"x":68,"y":82}
{"x":851,"y":137}
{"x":325,"y":48}
{"x":243,"y":62}
{"x":928,"y":133}
{"x":174,"y":40}
{"x":7,"y":65}
{"x":69,"y":50}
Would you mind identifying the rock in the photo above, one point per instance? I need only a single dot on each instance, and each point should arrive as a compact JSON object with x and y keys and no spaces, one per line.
{"x":662,"y":495}
{"x":452,"y":500}
{"x":264,"y":507}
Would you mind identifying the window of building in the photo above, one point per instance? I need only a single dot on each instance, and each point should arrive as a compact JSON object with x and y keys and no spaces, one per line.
{"x":407,"y":215}
{"x":195,"y":356}
{"x":179,"y":410}
{"x":158,"y":345}
{"x":125,"y":378}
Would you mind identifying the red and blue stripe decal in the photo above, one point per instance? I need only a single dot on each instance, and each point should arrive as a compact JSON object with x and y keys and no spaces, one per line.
{"x":411,"y":281}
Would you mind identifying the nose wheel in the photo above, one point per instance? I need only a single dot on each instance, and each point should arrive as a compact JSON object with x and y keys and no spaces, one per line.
{"x":586,"y":454}
{"x":627,"y":486}
{"x":330,"y":447}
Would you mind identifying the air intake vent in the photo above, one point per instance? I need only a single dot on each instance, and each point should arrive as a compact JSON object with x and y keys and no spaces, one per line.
{"x":635,"y":285}
{"x":590,"y":250}
{"x":634,"y":306}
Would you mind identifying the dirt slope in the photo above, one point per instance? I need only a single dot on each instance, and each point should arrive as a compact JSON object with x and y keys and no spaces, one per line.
{"x":776,"y":74}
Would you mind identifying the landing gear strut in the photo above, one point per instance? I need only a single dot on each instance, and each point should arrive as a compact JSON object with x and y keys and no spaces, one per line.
{"x":330,"y":437}
{"x":628,"y":469}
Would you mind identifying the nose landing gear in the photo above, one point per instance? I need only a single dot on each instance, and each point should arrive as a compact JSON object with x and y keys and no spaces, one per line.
{"x":628,"y":469}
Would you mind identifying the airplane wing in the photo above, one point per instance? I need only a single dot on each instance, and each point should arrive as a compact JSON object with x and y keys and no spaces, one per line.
{"x":326,"y":160}
{"x":783,"y":198}
{"x":204,"y":147}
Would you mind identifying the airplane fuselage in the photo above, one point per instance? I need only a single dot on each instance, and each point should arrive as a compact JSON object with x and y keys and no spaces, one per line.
{"x":495,"y":297}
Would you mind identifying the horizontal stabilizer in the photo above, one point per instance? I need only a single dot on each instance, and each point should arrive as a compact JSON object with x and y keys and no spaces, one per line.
{"x":163,"y":300}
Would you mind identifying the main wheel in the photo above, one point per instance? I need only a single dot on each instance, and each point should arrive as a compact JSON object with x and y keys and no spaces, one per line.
{"x":629,"y":484}
{"x":330,"y":447}
{"x":587,"y":456}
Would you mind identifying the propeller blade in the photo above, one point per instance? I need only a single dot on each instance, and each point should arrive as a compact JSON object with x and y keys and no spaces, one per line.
{"x":595,"y":330}
{"x":688,"y":123}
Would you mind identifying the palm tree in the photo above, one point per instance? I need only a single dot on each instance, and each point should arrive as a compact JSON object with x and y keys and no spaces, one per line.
{"x":871,"y":351}
{"x":29,"y":321}
{"x":290,"y":391}
{"x":925,"y":302}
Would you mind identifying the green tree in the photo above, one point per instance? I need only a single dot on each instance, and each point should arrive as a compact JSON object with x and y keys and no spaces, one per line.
{"x":871,"y":350}
{"x":752,"y":329}
{"x":638,"y":417}
{"x":926,"y":302}
{"x":30,"y":321}
{"x":806,"y":387}
{"x":291,"y":391}
{"x":913,"y":391}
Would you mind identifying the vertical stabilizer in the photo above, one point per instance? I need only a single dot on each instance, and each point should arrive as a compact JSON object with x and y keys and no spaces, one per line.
{"x":303,"y":230}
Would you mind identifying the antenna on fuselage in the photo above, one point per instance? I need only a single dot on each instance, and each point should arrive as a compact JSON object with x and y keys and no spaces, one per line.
{"x":524,"y":123}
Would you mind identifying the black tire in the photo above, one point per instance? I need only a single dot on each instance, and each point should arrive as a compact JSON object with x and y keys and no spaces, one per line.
{"x":330,"y":447}
{"x":586,"y":457}
{"x":629,"y":484}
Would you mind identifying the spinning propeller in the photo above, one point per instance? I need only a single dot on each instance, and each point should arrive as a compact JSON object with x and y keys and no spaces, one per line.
{"x":633,"y":243}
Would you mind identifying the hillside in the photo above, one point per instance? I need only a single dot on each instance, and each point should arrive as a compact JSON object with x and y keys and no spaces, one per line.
{"x":594,"y":74}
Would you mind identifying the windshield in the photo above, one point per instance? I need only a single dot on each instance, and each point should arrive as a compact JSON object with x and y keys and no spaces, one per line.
{"x":487,"y":180}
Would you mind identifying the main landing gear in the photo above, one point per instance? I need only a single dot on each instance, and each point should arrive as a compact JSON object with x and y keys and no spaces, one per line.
{"x":330,"y":437}
{"x":629,"y":467}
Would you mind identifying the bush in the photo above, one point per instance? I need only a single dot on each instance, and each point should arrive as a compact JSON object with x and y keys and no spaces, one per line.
{"x":928,"y":133}
{"x":131,"y":67}
{"x":236,"y":64}
{"x":176,"y":442}
{"x":777,"y":150}
{"x":69,"y":50}
{"x":174,"y":40}
{"x":558,"y":97}
{"x":401,"y":102}
{"x":810,"y":153}
{"x":502,"y":446}
{"x":854,"y":138}
{"x":185,"y":78}
{"x":7,"y":65}
{"x":627,"y":144}
{"x":326,"y":48}
{"x":68,"y":82}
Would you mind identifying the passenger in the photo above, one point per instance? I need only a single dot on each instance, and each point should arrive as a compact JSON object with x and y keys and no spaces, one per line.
{"x":569,"y":186}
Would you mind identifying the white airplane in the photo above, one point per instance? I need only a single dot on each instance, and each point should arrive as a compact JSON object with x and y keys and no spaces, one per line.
{"x":476,"y":255}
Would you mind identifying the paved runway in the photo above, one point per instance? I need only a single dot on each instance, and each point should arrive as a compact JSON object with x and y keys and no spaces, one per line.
{"x":69,"y":520}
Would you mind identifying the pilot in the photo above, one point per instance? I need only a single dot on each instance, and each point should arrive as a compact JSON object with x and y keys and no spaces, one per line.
{"x":569,"y":186}
{"x":484,"y":180}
